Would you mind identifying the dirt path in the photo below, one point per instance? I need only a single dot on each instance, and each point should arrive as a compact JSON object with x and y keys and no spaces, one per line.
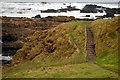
{"x":89,"y":44}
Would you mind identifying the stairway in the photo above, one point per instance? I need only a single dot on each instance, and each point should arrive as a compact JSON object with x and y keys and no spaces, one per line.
{"x":89,"y":44}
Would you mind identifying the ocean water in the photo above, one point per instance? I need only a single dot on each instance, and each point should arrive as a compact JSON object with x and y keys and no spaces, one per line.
{"x":32,"y":9}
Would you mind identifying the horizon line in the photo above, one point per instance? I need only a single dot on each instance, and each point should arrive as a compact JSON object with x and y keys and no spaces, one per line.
{"x":60,"y":2}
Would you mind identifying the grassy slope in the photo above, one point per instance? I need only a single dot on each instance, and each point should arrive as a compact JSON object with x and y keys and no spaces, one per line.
{"x":68,"y":41}
{"x":106,"y":40}
{"x":60,"y":45}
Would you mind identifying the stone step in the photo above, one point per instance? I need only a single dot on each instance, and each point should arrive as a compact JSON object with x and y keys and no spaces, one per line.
{"x":90,"y":46}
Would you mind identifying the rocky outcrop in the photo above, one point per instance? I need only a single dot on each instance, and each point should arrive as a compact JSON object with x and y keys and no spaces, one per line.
{"x":37,"y":16}
{"x":44,"y":2}
{"x":69,"y":8}
{"x":49,"y":11}
{"x":118,"y":11}
{"x":62,"y":10}
{"x":89,"y":9}
{"x":110,"y":12}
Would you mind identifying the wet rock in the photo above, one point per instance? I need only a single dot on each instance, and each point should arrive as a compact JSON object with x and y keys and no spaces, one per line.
{"x":49,"y":11}
{"x":69,"y":8}
{"x":8,"y":38}
{"x":118,"y":11}
{"x":20,"y":12}
{"x":110,"y":12}
{"x":87,"y":16}
{"x":44,"y":2}
{"x":62,"y":10}
{"x":5,"y":62}
{"x":29,"y":9}
{"x":72,"y":8}
{"x":89,"y":9}
{"x":37,"y":16}
{"x":64,"y":4}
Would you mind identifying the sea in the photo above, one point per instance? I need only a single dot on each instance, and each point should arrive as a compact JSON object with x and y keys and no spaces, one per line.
{"x":31,"y":9}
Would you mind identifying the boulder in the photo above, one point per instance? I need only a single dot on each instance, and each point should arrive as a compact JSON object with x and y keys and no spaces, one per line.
{"x":110,"y":12}
{"x":89,"y":9}
{"x":87,"y":15}
{"x":37,"y":16}
{"x":44,"y":2}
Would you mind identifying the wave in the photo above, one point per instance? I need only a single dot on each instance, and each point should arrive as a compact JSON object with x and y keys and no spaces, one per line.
{"x":32,"y":9}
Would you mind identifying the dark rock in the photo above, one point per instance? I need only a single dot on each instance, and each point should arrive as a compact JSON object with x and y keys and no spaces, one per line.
{"x":87,"y":16}
{"x":69,"y":8}
{"x":37,"y":16}
{"x":94,"y":9}
{"x":89,"y":9}
{"x":5,"y":62}
{"x":44,"y":2}
{"x":29,"y":9}
{"x":110,"y":12}
{"x":64,"y":4}
{"x":8,"y":38}
{"x":49,"y":17}
{"x":99,"y":6}
{"x":20,"y":12}
{"x":101,"y":11}
{"x":62,"y":10}
{"x":49,"y":11}
{"x":118,"y":11}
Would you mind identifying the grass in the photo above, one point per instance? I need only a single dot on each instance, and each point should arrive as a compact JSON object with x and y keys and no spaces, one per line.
{"x":59,"y":53}
{"x":57,"y":46}
{"x":67,"y":39}
{"x":106,"y":40}
{"x":83,"y":70}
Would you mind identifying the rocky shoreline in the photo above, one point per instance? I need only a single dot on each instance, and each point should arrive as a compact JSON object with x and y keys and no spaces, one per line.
{"x":88,"y":8}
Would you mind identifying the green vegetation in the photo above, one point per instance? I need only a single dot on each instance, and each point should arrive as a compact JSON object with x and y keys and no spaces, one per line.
{"x":59,"y":52}
{"x":106,"y":40}
{"x":83,"y":70}
{"x":61,"y":45}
